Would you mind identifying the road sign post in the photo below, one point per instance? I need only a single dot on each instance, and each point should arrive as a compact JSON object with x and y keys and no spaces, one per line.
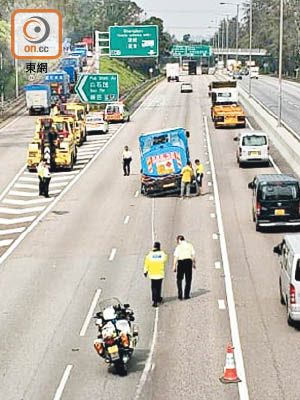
{"x":98,"y":88}
{"x":133,"y":41}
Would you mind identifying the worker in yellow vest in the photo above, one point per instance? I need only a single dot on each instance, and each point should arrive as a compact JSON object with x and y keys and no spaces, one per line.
{"x":186,"y":179}
{"x":199,"y":172}
{"x":154,"y":268}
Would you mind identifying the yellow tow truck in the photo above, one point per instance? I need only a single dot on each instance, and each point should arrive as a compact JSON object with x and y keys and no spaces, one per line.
{"x":54,"y":140}
{"x":225,"y":111}
{"x":79,"y":110}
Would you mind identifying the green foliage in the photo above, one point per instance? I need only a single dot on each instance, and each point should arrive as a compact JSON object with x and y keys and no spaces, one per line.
{"x":127,"y":77}
{"x":186,"y":38}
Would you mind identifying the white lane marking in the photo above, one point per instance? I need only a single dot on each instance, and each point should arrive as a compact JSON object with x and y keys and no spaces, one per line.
{"x":11,"y":184}
{"x":63,"y":382}
{"x":12,"y":122}
{"x":18,"y":211}
{"x":136,"y":193}
{"x":6,"y":242}
{"x":4,"y":232}
{"x":112,"y":254}
{"x":209,"y":183}
{"x":274,"y":165}
{"x":90,"y":313}
{"x":85,"y":157}
{"x":27,"y":179}
{"x":78,"y":167}
{"x":27,"y":202}
{"x":211,"y":198}
{"x":126,"y":220}
{"x":217,"y":265}
{"x":207,"y":162}
{"x":208,"y":172}
{"x":15,"y":244}
{"x":86,"y":152}
{"x":212,"y":215}
{"x":148,"y":364}
{"x":30,"y":194}
{"x":221,"y":304}
{"x":243,"y":389}
{"x":12,"y":221}
{"x":215,"y":236}
{"x":25,"y":186}
{"x":249,"y":124}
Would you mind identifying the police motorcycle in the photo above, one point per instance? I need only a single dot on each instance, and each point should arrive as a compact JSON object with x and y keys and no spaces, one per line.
{"x":117,"y":334}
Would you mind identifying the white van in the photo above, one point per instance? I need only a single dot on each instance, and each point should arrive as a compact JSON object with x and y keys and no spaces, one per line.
{"x":289,"y":280}
{"x":253,"y":147}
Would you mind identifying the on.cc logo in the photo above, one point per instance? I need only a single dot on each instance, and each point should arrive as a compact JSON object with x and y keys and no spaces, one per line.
{"x":36,"y":29}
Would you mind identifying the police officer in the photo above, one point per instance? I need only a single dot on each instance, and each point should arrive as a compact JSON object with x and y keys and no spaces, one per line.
{"x":154,"y":268}
{"x":183,"y":264}
{"x":127,"y":158}
{"x":41,"y":173}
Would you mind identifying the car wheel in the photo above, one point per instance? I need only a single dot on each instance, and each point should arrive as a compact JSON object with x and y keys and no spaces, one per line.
{"x":240,"y":164}
{"x":280,"y":291}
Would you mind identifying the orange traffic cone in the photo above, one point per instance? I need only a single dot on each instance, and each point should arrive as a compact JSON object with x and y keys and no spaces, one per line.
{"x":230,"y":374}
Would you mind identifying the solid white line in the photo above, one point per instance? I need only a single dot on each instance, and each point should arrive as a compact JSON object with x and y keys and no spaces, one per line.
{"x":126,"y":220}
{"x":243,"y":389}
{"x":136,"y":193}
{"x":217,"y":265}
{"x":19,"y":211}
{"x":86,"y":152}
{"x":148,"y":365}
{"x":15,"y":244}
{"x":27,"y":179}
{"x":27,"y":202}
{"x":90,"y":313}
{"x":63,"y":382}
{"x":83,"y":157}
{"x":30,"y":194}
{"x":10,"y":185}
{"x":6,"y":242}
{"x":221,"y":304}
{"x":12,"y":221}
{"x":112,"y":254}
{"x":4,"y":232}
{"x":12,"y":122}
{"x":26,"y":186}
{"x":274,"y":165}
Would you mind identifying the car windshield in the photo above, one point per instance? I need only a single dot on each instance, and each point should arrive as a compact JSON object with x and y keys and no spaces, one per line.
{"x":280,"y":191}
{"x":113,"y":109}
{"x":254,"y":140}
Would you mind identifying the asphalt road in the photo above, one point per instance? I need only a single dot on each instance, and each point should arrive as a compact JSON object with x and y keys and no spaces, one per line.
{"x":48,"y":283}
{"x":265,"y":89}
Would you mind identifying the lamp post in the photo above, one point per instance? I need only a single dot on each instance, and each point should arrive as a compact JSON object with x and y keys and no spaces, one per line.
{"x":280,"y":65}
{"x":237,"y":26}
{"x":250,"y":46}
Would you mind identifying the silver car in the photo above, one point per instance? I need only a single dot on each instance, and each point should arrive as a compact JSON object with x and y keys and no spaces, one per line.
{"x":253,"y":147}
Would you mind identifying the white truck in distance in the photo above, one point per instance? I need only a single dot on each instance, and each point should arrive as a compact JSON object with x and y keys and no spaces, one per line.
{"x":172,"y":71}
{"x":38,"y":98}
{"x":254,"y":72}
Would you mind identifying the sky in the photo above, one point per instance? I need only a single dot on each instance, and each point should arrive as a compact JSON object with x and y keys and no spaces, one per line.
{"x":189,"y":16}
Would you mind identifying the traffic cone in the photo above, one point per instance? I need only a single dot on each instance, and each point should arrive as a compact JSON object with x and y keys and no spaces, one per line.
{"x":230,"y":374}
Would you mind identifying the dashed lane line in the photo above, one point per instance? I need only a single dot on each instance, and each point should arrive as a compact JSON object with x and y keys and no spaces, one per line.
{"x":221,"y":304}
{"x":90,"y":313}
{"x":63,"y":382}
{"x":112,"y":254}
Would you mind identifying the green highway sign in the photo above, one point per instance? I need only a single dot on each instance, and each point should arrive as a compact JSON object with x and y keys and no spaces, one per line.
{"x":133,"y":41}
{"x":178,"y":50}
{"x":98,"y":88}
{"x":191,"y":51}
{"x":199,"y":51}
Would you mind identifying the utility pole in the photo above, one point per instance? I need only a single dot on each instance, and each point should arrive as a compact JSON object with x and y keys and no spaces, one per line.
{"x":280,"y":65}
{"x":227,"y":40}
{"x":237,"y":32}
{"x":250,"y":46}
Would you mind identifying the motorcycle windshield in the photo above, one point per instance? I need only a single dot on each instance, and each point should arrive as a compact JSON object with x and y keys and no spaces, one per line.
{"x":107,"y":303}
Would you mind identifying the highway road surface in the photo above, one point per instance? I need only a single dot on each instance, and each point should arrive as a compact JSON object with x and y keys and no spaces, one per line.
{"x":91,"y":245}
{"x":265,"y":89}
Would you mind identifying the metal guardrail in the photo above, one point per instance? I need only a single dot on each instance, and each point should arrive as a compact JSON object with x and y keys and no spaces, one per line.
{"x":141,"y":86}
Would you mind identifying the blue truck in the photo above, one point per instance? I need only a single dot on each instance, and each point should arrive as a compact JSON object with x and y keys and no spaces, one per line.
{"x":38,"y":98}
{"x":59,"y":82}
{"x":69,"y":66}
{"x":163,"y":155}
{"x":77,"y":55}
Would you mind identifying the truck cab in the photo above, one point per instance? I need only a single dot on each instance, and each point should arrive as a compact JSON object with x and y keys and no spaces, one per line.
{"x":163,"y":155}
{"x":79,"y":112}
{"x":59,"y":82}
